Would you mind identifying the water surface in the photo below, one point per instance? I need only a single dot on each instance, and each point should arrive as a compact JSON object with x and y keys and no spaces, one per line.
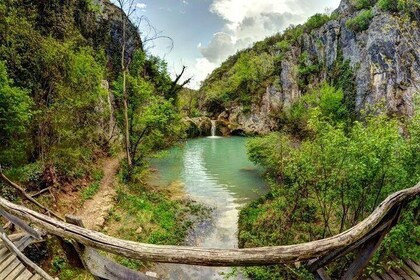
{"x":215,"y":172}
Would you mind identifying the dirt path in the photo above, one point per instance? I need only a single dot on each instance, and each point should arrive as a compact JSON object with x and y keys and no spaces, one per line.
{"x":95,"y":210}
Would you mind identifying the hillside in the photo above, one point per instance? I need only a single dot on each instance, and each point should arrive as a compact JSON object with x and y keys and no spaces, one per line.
{"x":367,"y":48}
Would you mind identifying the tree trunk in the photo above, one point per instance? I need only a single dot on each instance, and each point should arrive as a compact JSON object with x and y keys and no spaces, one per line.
{"x":125,"y":97}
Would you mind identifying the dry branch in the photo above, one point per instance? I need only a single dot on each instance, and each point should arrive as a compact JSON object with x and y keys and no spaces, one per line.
{"x":214,"y":257}
{"x":27,"y":196}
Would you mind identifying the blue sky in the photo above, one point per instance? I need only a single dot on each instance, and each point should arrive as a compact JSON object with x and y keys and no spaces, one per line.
{"x":206,"y":32}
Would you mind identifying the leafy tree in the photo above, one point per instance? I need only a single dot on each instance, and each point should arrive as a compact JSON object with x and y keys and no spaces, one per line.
{"x":15,"y":115}
{"x":331,"y":180}
{"x":154,"y":122}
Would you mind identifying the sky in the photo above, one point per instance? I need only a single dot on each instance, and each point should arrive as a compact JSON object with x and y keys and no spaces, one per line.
{"x":206,"y":32}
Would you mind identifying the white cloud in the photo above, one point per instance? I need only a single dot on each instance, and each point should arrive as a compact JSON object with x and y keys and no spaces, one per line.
{"x":197,"y":69}
{"x":222,"y":45}
{"x":201,"y":69}
{"x":141,"y":6}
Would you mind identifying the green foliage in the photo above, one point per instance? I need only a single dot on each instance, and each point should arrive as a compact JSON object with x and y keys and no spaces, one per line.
{"x":73,"y":117}
{"x":45,"y":51}
{"x":307,"y":70}
{"x":162,"y":219}
{"x":389,"y":5}
{"x":328,"y":100}
{"x":61,"y":266}
{"x":316,"y":21}
{"x":188,"y":102}
{"x":154,"y":121}
{"x":271,"y":151}
{"x":283,"y":46}
{"x":15,"y":115}
{"x":242,"y":83}
{"x":363,"y":4}
{"x":360,"y":22}
{"x":406,"y":6}
{"x":342,"y":76}
{"x":332,"y":180}
{"x":90,"y":191}
{"x":63,"y":52}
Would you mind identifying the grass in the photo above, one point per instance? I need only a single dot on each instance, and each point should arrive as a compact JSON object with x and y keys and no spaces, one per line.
{"x":90,"y":191}
{"x":153,"y":216}
{"x":67,"y":272}
{"x":93,"y":188}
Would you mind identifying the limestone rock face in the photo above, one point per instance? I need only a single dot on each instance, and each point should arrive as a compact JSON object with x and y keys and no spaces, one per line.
{"x":385,"y":60}
{"x":200,"y":126}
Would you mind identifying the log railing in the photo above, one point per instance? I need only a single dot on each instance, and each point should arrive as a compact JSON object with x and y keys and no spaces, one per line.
{"x":365,"y":237}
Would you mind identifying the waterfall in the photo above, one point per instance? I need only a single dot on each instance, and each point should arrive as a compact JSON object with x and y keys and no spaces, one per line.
{"x":213,"y":128}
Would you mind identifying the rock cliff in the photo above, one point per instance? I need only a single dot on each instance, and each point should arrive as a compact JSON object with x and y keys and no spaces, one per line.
{"x":384,"y":59}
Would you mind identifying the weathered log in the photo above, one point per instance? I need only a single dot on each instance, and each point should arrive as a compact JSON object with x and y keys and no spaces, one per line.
{"x":213,"y":257}
{"x":18,"y":222}
{"x":386,"y":222}
{"x":100,"y":266}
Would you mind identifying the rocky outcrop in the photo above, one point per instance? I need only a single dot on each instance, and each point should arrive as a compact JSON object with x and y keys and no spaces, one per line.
{"x":101,"y":24}
{"x":200,"y":126}
{"x":385,"y":64}
{"x":259,"y":120}
{"x":385,"y":60}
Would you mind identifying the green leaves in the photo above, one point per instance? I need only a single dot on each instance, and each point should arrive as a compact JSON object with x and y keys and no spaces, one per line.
{"x":316,"y":21}
{"x":333,"y":178}
{"x":360,"y":22}
{"x":243,"y":81}
{"x":15,"y":115}
{"x":154,"y":121}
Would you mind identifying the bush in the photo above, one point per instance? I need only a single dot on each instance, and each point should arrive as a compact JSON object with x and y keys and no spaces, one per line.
{"x":15,"y":116}
{"x":348,"y":171}
{"x":361,"y":22}
{"x":363,"y":4}
{"x":316,"y":21}
{"x":399,"y":5}
{"x":388,"y":5}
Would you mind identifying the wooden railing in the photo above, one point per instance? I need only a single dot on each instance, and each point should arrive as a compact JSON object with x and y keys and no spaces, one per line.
{"x":364,"y":238}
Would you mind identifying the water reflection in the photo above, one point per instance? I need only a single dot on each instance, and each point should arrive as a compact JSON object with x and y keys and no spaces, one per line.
{"x":215,"y":172}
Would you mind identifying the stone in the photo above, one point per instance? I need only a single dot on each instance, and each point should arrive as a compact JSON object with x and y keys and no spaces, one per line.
{"x":152,"y":274}
{"x":139,"y":230}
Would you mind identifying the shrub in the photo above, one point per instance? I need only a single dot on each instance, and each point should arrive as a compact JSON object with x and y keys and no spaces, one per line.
{"x":316,"y":21}
{"x":361,"y":22}
{"x":363,"y":4}
{"x":399,"y":5}
{"x":349,"y":170}
{"x":284,"y":45}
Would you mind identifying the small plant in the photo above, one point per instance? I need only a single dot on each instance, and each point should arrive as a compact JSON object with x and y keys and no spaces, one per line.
{"x":361,"y":22}
{"x":284,"y":45}
{"x":388,"y":5}
{"x":90,"y":191}
{"x":399,"y":5}
{"x":316,"y":21}
{"x":58,"y":263}
{"x":363,"y":4}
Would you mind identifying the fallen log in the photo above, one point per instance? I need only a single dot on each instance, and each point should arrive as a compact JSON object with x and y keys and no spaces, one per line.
{"x":214,"y":257}
{"x":100,"y":266}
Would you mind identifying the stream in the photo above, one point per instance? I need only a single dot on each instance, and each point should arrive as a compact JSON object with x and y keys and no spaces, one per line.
{"x":216,"y":172}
